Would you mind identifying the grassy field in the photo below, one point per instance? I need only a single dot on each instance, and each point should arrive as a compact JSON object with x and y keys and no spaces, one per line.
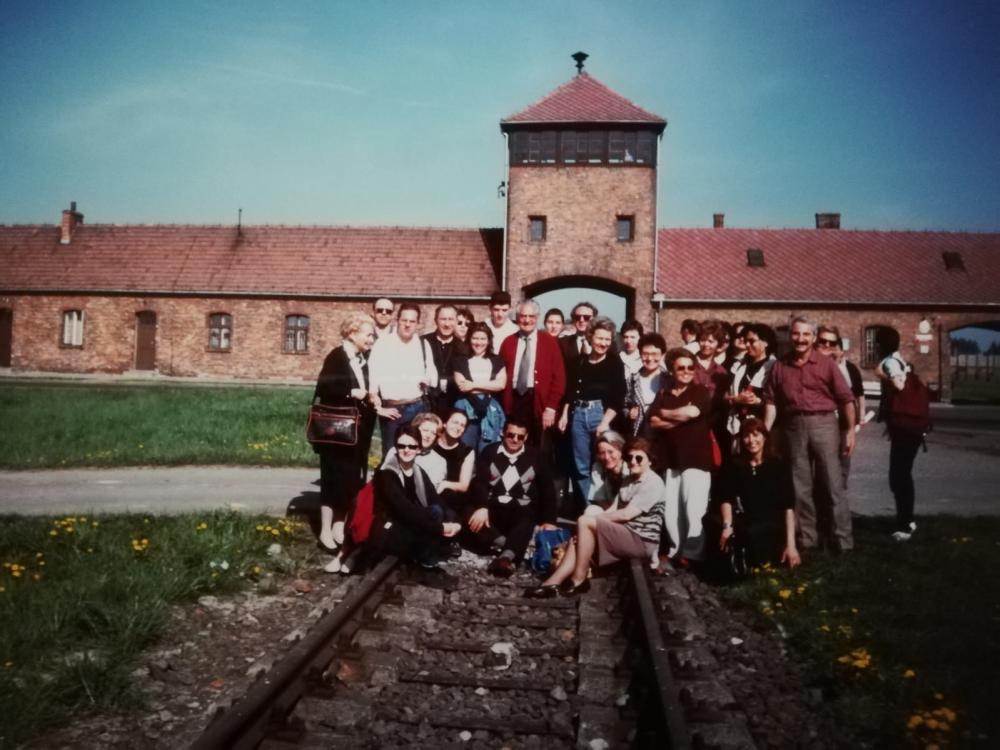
{"x":58,"y":426}
{"x":905,"y":638}
{"x":80,"y":597}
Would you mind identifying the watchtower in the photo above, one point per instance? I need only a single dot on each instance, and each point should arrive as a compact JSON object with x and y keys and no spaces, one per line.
{"x":581,"y":194}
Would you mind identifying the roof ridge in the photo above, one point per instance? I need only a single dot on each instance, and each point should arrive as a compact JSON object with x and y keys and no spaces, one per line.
{"x":854,"y":230}
{"x":580,"y":87}
{"x":367,"y":227}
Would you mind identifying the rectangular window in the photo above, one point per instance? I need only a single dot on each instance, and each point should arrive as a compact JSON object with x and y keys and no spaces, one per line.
{"x":534,"y":148}
{"x":755,"y":257}
{"x":595,"y":143}
{"x":549,"y":141}
{"x":869,"y":353}
{"x":518,"y":148}
{"x":297,"y":333}
{"x":536,"y":228}
{"x":616,"y":147}
{"x":220,"y":332}
{"x":568,"y":147}
{"x":953,"y":260}
{"x":645,"y":147}
{"x":72,"y":329}
{"x":625,"y":228}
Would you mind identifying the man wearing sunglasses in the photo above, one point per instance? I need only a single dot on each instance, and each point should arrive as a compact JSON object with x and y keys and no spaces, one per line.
{"x":511,"y":494}
{"x":809,"y":396}
{"x":576,"y":344}
{"x":382,"y":311}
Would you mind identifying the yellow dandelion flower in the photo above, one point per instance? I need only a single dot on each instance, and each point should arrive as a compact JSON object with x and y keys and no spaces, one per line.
{"x":15,"y":573}
{"x":947,"y":714}
{"x":824,"y":628}
{"x":931,"y":723}
{"x":83,"y":519}
{"x":53,"y":532}
{"x":854,"y":610}
{"x":275,"y":532}
{"x":785,"y":593}
{"x":909,"y":674}
{"x":2,"y":589}
{"x":256,"y":569}
{"x":36,"y":576}
{"x":7,"y":565}
{"x":939,"y":696}
{"x":8,"y":664}
{"x":914,"y":721}
{"x":39,"y":554}
{"x":95,"y":524}
{"x":844,"y":659}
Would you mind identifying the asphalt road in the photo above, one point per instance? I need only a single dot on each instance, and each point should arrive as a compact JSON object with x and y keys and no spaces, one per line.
{"x":959,"y":474}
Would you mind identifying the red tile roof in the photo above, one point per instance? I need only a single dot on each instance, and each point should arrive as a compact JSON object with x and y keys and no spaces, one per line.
{"x":262,"y":260}
{"x":828,"y":265}
{"x":584,"y":99}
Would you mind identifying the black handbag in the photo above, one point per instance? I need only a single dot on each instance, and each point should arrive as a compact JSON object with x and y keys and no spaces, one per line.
{"x":332,"y":425}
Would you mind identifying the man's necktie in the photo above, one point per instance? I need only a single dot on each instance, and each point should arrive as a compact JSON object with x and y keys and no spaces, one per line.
{"x":524,"y":370}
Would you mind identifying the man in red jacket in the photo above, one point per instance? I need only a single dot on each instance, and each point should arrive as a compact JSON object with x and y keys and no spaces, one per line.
{"x":536,"y":376}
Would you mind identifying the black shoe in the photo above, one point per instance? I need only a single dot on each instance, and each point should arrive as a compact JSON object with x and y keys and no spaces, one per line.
{"x":435,"y":577}
{"x":454,"y":550}
{"x":328,"y":550}
{"x":568,"y":588}
{"x":501,"y":567}
{"x":551,"y":591}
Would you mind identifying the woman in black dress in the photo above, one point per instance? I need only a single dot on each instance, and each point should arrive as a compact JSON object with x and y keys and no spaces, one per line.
{"x":756,"y":501}
{"x":343,"y":381}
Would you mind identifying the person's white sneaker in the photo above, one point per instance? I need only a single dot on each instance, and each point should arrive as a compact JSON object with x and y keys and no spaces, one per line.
{"x":903,"y":535}
{"x":333,"y":566}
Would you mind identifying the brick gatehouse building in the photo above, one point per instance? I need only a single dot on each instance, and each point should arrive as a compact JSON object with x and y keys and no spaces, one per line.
{"x":267,"y":301}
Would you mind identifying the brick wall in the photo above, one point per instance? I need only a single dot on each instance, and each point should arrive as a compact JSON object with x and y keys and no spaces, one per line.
{"x":109,"y":340}
{"x":580,"y":205}
{"x":932,"y":367}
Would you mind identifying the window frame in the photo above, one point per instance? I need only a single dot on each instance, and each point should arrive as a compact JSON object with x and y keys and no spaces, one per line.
{"x":298,"y":332}
{"x":871,"y":353}
{"x":625,"y":220}
{"x":225,"y":324}
{"x":540,"y":220}
{"x":76,"y":331}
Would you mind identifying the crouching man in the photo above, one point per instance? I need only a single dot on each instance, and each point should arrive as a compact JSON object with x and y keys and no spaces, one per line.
{"x":512,"y":494}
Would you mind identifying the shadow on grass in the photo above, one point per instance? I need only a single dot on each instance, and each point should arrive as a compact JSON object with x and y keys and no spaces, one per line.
{"x":905,"y":637}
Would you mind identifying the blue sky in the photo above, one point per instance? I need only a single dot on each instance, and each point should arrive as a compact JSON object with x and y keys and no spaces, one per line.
{"x":387,"y":112}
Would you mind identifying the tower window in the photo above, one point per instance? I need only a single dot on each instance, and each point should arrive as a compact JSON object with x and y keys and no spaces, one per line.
{"x":755,"y":257}
{"x":625,"y":228}
{"x":536,"y":228}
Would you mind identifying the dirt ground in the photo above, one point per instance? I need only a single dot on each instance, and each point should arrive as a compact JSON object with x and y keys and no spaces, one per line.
{"x":213,"y":650}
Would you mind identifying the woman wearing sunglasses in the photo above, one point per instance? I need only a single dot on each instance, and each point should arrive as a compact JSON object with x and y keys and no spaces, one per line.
{"x":680,"y":420}
{"x":409,"y":519}
{"x":629,"y":528}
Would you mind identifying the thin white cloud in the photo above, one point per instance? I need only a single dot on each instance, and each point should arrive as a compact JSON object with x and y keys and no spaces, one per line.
{"x":293,"y":80}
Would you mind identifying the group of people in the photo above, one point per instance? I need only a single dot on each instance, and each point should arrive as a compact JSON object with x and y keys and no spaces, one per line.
{"x":494,"y":429}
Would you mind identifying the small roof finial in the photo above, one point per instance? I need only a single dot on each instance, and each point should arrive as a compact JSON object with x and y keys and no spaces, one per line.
{"x":579,"y":57}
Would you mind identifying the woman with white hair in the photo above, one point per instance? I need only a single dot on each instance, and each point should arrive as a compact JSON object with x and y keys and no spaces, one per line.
{"x":343,"y":381}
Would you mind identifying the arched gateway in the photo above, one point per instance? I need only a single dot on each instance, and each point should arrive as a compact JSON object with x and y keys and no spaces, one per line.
{"x":581,"y":195}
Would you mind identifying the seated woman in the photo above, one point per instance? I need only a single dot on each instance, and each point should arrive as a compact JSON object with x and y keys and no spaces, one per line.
{"x":408,"y":517}
{"x":480,"y":378}
{"x":629,"y":528}
{"x":459,"y":460}
{"x":758,"y":489}
{"x":428,"y":426}
{"x":608,"y":473}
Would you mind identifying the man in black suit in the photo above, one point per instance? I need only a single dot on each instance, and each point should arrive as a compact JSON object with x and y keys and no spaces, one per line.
{"x":575,"y":345}
{"x":444,"y":346}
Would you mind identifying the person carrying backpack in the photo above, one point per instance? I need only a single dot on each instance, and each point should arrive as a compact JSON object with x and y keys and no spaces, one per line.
{"x":906,"y":412}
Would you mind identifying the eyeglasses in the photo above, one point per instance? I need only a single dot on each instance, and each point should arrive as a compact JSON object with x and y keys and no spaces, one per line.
{"x":683,"y":368}
{"x":383,"y":310}
{"x":826,"y":342}
{"x":515,"y":436}
{"x":407,"y":447}
{"x":582,"y":316}
{"x":635,"y":458}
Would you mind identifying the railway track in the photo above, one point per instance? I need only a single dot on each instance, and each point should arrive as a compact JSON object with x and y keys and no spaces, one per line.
{"x":398,"y":664}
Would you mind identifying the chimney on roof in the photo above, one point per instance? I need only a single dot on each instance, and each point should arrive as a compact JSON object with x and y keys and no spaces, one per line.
{"x":70,"y":220}
{"x":718,"y":221}
{"x":828,"y":221}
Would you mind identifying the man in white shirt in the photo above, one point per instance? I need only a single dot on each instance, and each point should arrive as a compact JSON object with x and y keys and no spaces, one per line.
{"x":500,"y":323}
{"x":400,"y":370}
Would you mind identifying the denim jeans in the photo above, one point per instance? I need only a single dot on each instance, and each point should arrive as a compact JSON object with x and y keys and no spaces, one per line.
{"x":391,"y":426}
{"x":582,"y":425}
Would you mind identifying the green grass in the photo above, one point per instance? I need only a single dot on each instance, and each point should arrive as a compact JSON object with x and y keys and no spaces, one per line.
{"x":905,"y":638}
{"x":81,"y":597}
{"x":59,"y":426}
